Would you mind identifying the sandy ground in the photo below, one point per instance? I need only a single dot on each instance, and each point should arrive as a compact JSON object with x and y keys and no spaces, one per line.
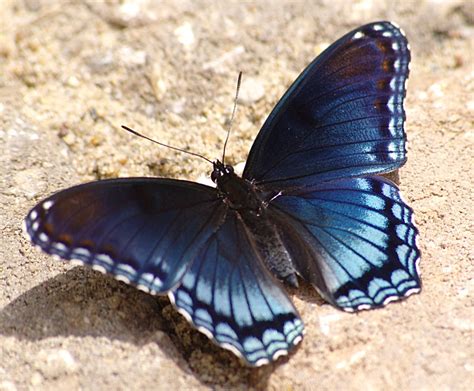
{"x":71,"y":73}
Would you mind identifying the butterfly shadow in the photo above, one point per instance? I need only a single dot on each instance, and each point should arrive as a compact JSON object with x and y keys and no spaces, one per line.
{"x":85,"y":303}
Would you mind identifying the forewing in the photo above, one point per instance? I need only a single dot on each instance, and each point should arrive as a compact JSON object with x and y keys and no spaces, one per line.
{"x":230,"y":297}
{"x":353,"y":239}
{"x":342,"y":117}
{"x":144,"y":231}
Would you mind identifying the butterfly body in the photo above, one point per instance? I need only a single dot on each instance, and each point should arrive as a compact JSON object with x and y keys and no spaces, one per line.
{"x":238,"y":193}
{"x":310,"y":204}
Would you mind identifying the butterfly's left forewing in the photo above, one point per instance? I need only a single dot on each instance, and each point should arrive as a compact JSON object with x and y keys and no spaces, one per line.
{"x":354,"y":239}
{"x":230,"y":296}
{"x":342,"y":117}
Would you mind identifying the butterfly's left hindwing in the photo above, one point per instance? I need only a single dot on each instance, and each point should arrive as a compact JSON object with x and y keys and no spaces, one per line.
{"x":230,"y":296}
{"x":353,"y":239}
{"x":143,"y":231}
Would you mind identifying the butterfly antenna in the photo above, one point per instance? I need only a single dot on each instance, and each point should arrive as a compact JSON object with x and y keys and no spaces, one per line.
{"x":239,"y":80}
{"x":166,"y":145}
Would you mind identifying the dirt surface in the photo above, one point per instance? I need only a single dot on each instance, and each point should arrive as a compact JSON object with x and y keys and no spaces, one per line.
{"x":72,"y":72}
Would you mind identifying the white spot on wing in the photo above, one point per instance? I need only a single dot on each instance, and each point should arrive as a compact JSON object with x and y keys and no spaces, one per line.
{"x":396,"y":64}
{"x":149,"y":278}
{"x":262,"y":361}
{"x":412,"y":291}
{"x":143,"y":288}
{"x":186,"y":315}
{"x":279,"y":353}
{"x":81,"y":251}
{"x":47,"y":204}
{"x":104,"y":258}
{"x":99,"y":268}
{"x":232,"y":348}
{"x":124,"y":279}
{"x":395,"y":24}
{"x":205,"y":331}
{"x":390,"y":299}
{"x":172,"y":298}
{"x":358,"y":35}
{"x":59,"y":246}
{"x":298,"y":339}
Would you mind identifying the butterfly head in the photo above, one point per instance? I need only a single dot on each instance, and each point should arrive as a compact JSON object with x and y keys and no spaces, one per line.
{"x":221,"y":171}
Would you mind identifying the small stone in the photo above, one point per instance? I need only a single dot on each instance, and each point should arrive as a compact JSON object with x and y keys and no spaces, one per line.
{"x":158,"y":82}
{"x":7,"y":386}
{"x":129,"y":10}
{"x":470,"y":106}
{"x":101,"y":62}
{"x":130,"y":56}
{"x":36,"y":379}
{"x":26,"y":186}
{"x":251,"y":91}
{"x":185,"y":35}
{"x":177,"y":106}
{"x":33,"y":5}
{"x":73,"y":81}
{"x":96,"y":140}
{"x":53,"y":364}
{"x":69,"y":139}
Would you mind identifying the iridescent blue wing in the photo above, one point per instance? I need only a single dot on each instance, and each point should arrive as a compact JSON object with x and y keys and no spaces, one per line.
{"x":144,"y":231}
{"x":353,"y":239}
{"x":230,"y":296}
{"x":342,"y":117}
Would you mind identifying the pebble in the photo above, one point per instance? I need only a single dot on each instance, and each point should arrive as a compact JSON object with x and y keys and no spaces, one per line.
{"x":185,"y":35}
{"x":36,"y":379}
{"x":129,"y":10}
{"x":25,"y":186}
{"x":251,"y":91}
{"x":101,"y":62}
{"x":54,"y":363}
{"x":326,"y":321}
{"x":130,"y":56}
{"x":73,"y":81}
{"x":7,"y":385}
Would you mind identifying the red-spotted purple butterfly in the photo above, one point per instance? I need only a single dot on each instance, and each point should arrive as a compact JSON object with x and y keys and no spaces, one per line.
{"x":310,"y":205}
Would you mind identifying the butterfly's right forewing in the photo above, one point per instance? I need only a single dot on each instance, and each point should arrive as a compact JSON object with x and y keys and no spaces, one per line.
{"x":144,"y":231}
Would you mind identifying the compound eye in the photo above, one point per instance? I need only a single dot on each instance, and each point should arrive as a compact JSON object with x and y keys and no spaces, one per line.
{"x":214,"y":176}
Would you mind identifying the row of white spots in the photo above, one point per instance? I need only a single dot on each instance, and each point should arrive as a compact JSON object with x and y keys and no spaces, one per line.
{"x":398,"y":82}
{"x":269,"y":338}
{"x":80,"y":256}
{"x":356,"y":295}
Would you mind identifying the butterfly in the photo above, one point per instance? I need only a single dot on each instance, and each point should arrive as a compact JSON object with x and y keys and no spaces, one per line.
{"x":310,"y":205}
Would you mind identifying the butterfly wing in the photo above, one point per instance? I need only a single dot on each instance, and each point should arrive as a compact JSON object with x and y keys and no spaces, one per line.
{"x":353,"y":239}
{"x":342,"y":117}
{"x":144,"y":231}
{"x":230,"y":296}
